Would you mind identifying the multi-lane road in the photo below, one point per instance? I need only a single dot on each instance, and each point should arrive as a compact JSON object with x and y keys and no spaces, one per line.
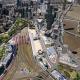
{"x":24,"y":65}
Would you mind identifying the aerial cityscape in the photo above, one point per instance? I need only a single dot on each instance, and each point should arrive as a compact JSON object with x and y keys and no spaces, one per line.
{"x":39,"y":39}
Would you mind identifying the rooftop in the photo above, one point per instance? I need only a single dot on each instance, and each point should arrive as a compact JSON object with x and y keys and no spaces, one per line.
{"x":36,"y":45}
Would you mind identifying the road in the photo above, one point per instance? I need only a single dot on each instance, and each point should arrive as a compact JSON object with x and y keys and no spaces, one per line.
{"x":24,"y":66}
{"x":23,"y":61}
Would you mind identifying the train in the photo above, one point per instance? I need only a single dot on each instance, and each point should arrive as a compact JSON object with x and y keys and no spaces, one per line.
{"x":11,"y":51}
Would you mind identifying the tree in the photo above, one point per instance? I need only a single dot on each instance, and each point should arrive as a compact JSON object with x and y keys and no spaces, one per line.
{"x":60,"y":67}
{"x":67,"y":74}
{"x":5,"y":37}
{"x":2,"y":51}
{"x":0,"y":38}
{"x":10,"y":33}
{"x":78,"y":77}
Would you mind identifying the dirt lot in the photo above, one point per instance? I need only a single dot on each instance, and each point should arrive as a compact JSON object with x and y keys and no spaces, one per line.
{"x":75,"y":13}
{"x":72,"y":41}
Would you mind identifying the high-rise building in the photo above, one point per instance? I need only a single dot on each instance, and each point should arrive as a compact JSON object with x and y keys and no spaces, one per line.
{"x":77,"y":1}
{"x":18,"y":3}
{"x":55,"y":1}
{"x":9,"y":2}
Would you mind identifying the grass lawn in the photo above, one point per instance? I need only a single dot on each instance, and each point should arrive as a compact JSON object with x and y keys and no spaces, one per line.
{"x":70,"y":73}
{"x":2,"y":51}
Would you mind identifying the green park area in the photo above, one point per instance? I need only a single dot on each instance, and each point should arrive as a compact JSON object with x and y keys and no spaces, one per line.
{"x":2,"y":51}
{"x":15,"y":28}
{"x":68,"y":72}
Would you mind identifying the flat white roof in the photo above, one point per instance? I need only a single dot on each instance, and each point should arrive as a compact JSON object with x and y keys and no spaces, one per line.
{"x":39,"y":20}
{"x":36,"y":45}
{"x":34,"y":0}
{"x":65,"y":59}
